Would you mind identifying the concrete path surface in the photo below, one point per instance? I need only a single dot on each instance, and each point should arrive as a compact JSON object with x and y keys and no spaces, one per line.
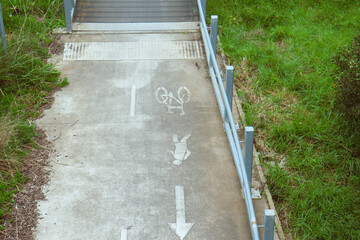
{"x":140,"y":149}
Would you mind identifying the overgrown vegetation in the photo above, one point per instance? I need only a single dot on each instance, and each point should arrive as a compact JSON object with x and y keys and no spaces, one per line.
{"x":283,"y":54}
{"x":25,"y":81}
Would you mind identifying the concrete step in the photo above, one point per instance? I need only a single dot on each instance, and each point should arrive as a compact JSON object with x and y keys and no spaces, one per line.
{"x":136,"y":27}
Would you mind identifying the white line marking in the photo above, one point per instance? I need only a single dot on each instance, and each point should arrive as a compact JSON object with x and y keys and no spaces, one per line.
{"x":181,"y":228}
{"x":124,"y":234}
{"x":133,"y":99}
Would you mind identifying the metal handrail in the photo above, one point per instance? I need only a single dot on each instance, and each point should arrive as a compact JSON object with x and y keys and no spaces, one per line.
{"x":69,"y":6}
{"x":230,"y":128}
{"x":2,"y":32}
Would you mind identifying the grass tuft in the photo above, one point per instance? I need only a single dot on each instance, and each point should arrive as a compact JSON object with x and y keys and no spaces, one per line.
{"x":7,"y":128}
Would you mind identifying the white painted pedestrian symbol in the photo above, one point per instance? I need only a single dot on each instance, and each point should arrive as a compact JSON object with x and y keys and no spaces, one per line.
{"x":171,"y":101}
{"x":181,"y":228}
{"x":181,"y":152}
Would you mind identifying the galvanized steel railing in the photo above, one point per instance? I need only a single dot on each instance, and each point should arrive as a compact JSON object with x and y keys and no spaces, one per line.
{"x":2,"y":32}
{"x":224,"y":99}
{"x":69,"y":13}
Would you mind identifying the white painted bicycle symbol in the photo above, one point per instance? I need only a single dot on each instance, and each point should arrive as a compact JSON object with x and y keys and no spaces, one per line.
{"x":171,"y":101}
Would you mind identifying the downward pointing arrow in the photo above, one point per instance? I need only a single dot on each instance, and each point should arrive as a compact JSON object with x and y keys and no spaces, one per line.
{"x":124,"y":233}
{"x":181,"y":228}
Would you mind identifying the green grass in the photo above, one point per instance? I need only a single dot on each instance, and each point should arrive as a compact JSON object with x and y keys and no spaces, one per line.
{"x":282,"y":52}
{"x":26,"y":79}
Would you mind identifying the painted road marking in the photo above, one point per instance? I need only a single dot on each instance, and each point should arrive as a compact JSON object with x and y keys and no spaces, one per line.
{"x":133,"y":101}
{"x":124,"y":234}
{"x":163,"y":96}
{"x":181,"y":228}
{"x":181,"y":152}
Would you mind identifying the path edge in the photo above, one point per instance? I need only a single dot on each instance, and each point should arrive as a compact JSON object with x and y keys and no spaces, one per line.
{"x":256,"y":159}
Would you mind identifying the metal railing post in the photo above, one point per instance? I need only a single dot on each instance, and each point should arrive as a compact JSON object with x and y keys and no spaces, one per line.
{"x":213,"y":33}
{"x":203,"y":5}
{"x":249,"y":144}
{"x":2,"y":32}
{"x":269,"y":224}
{"x":68,"y":18}
{"x":229,"y":87}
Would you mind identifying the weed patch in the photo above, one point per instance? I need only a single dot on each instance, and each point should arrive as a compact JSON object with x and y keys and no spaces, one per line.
{"x":26,"y":80}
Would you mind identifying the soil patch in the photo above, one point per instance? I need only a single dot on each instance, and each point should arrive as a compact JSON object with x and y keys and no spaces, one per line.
{"x":21,"y":222}
{"x":57,"y":46}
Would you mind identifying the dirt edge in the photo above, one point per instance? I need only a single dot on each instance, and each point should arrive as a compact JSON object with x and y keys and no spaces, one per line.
{"x":36,"y":168}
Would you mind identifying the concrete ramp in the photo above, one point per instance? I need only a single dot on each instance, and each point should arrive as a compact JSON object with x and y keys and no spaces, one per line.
{"x":141,"y":151}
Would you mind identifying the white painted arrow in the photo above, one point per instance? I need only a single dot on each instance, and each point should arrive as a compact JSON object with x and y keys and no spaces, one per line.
{"x":133,"y":101}
{"x":181,"y":228}
{"x":124,"y":233}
